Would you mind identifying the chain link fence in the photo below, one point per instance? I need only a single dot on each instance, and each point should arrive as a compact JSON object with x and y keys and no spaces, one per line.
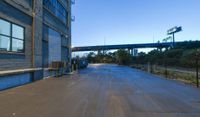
{"x":182,"y":69}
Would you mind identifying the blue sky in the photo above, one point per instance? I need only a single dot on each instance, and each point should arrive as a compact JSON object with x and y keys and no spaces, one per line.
{"x":133,"y":21}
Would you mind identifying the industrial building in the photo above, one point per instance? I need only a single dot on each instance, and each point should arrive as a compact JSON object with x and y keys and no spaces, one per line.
{"x":34,"y":35}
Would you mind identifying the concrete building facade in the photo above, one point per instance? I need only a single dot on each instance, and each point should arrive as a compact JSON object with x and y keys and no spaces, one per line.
{"x":33,"y":35}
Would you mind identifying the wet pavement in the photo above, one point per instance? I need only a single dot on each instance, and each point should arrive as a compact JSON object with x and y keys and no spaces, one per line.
{"x":102,"y":91}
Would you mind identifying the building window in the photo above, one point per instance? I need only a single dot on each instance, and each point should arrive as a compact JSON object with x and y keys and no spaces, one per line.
{"x":4,"y":43}
{"x":56,"y":8}
{"x":11,"y":37}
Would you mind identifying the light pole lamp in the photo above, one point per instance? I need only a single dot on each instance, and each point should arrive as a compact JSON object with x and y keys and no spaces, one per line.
{"x":172,"y":32}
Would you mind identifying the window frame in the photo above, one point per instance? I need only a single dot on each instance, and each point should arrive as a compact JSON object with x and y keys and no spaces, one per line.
{"x":11,"y":37}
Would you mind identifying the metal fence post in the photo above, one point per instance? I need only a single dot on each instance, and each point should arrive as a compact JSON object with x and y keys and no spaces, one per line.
{"x":166,"y":74}
{"x":151,"y":67}
{"x":197,"y":72}
{"x":165,"y":66}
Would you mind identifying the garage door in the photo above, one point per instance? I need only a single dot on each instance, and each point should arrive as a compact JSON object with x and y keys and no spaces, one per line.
{"x":54,"y":46}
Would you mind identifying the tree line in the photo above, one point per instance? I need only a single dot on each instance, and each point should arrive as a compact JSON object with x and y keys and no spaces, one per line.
{"x":120,"y":56}
{"x":182,"y":55}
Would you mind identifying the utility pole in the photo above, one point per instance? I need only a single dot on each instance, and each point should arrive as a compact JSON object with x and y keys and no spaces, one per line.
{"x":104,"y":46}
{"x":153,"y":38}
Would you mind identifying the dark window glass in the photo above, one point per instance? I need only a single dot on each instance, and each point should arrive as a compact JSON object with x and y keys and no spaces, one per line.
{"x":45,"y":52}
{"x":4,"y":27}
{"x":4,"y":43}
{"x":56,"y":8}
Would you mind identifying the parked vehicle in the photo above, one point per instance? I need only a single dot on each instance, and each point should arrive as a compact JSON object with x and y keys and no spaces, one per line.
{"x":82,"y":63}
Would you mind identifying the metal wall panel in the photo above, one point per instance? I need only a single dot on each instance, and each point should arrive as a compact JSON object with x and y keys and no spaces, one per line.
{"x":14,"y":80}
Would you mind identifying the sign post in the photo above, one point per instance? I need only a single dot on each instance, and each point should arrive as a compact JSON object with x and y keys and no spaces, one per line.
{"x":172,"y":32}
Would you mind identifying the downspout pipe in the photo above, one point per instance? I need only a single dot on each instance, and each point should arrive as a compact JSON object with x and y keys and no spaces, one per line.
{"x":33,"y":35}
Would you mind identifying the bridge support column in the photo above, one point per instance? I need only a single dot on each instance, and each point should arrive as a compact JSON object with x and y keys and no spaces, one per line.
{"x":134,"y":52}
{"x":159,"y":49}
{"x":129,"y":51}
{"x":99,"y":52}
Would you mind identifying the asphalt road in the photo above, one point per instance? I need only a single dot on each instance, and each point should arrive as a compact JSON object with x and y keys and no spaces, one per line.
{"x":102,"y":91}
